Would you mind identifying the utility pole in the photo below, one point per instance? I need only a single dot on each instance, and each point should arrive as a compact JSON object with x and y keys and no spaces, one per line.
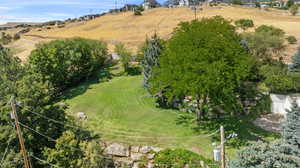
{"x":19,"y":132}
{"x":222,"y":147}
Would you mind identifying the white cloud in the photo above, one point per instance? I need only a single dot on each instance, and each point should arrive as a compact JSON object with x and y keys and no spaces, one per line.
{"x":5,"y":8}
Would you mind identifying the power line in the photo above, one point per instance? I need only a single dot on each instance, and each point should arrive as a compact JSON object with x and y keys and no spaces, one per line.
{"x":128,"y":136}
{"x":6,"y":150}
{"x":67,"y":145}
{"x":44,"y":161}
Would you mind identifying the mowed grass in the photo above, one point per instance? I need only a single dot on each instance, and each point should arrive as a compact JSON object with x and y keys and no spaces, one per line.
{"x":121,"y":111}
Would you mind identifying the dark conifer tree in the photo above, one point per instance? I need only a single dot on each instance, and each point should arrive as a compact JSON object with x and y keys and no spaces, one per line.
{"x":295,"y":67}
{"x":151,"y":57}
{"x":291,"y":127}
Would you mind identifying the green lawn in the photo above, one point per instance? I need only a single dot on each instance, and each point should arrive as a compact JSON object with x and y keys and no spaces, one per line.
{"x":121,"y":111}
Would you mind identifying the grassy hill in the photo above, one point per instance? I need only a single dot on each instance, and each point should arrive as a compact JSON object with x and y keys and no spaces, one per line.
{"x":120,"y":110}
{"x":132,"y":30}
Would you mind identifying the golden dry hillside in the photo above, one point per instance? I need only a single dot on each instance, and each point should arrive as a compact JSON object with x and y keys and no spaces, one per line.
{"x":132,"y":30}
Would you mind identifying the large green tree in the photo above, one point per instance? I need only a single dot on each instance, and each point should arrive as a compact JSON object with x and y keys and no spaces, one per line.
{"x":203,"y":59}
{"x":152,"y":53}
{"x":31,"y":94}
{"x":66,"y":63}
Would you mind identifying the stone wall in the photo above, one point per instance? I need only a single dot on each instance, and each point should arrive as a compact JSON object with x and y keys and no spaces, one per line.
{"x":130,"y":156}
{"x":281,"y":103}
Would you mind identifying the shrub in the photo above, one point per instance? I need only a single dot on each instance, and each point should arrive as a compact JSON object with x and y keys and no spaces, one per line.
{"x":17,"y":36}
{"x":179,"y":158}
{"x":237,"y":2}
{"x":124,"y":54}
{"x":138,"y":11}
{"x":5,"y":38}
{"x":266,"y":155}
{"x":244,"y":23}
{"x":295,"y":66}
{"x":65,"y":63}
{"x":290,"y":3}
{"x":263,"y":45}
{"x":291,"y":39}
{"x":294,"y":9}
{"x":280,"y":83}
{"x":271,"y":30}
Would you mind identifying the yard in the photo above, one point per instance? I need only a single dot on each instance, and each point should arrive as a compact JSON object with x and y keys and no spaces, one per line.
{"x":121,"y":111}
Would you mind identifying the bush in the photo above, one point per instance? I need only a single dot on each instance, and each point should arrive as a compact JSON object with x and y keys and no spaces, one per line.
{"x":291,"y":39}
{"x":263,"y":46}
{"x":124,"y":54}
{"x":284,"y":84}
{"x":263,"y":155}
{"x":138,"y":11}
{"x":237,"y":2}
{"x":244,"y":23}
{"x":17,"y":36}
{"x":271,"y":30}
{"x":179,"y":158}
{"x":65,"y":63}
{"x":294,"y":9}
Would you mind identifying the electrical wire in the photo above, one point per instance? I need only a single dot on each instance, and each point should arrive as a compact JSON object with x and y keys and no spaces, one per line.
{"x":128,"y":136}
{"x":44,"y":161}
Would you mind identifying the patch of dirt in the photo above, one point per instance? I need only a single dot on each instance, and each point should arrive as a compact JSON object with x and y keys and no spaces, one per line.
{"x":270,"y":122}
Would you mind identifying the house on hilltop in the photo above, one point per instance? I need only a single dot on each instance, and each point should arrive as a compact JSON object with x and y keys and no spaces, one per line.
{"x":148,"y":4}
{"x":184,"y":3}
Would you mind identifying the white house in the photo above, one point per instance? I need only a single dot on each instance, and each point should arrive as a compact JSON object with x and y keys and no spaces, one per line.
{"x":146,"y":5}
{"x":281,"y":103}
{"x":184,"y":3}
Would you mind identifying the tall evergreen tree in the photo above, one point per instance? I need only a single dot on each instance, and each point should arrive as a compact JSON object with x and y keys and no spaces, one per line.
{"x":295,"y":67}
{"x":152,"y":53}
{"x":291,"y":127}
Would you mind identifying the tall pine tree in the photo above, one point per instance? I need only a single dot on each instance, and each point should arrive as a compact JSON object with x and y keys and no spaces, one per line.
{"x":152,"y":53}
{"x":295,"y":67}
{"x":291,"y":127}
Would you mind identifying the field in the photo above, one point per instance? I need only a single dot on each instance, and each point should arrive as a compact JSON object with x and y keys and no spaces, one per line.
{"x":133,"y":30}
{"x":121,"y":111}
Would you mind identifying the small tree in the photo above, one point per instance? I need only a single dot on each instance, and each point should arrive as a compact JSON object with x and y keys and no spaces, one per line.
{"x":271,"y":30}
{"x":295,"y":67}
{"x":291,"y":39}
{"x":294,"y":9}
{"x":67,"y":62}
{"x":152,"y":53}
{"x":290,"y":3}
{"x":138,"y":11}
{"x":124,"y":54}
{"x":244,"y":23}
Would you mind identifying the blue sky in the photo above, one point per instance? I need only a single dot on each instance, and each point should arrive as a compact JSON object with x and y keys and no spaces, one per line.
{"x":45,"y":10}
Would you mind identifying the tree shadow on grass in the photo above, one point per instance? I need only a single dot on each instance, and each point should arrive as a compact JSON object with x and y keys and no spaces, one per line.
{"x":246,"y":131}
{"x":101,"y":76}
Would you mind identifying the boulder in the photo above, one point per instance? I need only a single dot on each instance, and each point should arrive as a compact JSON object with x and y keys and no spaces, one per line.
{"x":145,"y":149}
{"x":136,"y":156}
{"x":151,"y":156}
{"x":81,"y":115}
{"x":135,"y":149}
{"x":156,"y":149}
{"x":117,"y":150}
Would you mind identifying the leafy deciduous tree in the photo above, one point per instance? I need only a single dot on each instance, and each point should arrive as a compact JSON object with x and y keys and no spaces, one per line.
{"x":203,"y":59}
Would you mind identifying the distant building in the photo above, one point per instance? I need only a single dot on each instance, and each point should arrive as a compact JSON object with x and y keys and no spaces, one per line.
{"x":184,"y":3}
{"x":148,"y":4}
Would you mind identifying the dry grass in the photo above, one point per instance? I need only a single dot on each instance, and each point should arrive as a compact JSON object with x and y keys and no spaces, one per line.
{"x":132,"y":30}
